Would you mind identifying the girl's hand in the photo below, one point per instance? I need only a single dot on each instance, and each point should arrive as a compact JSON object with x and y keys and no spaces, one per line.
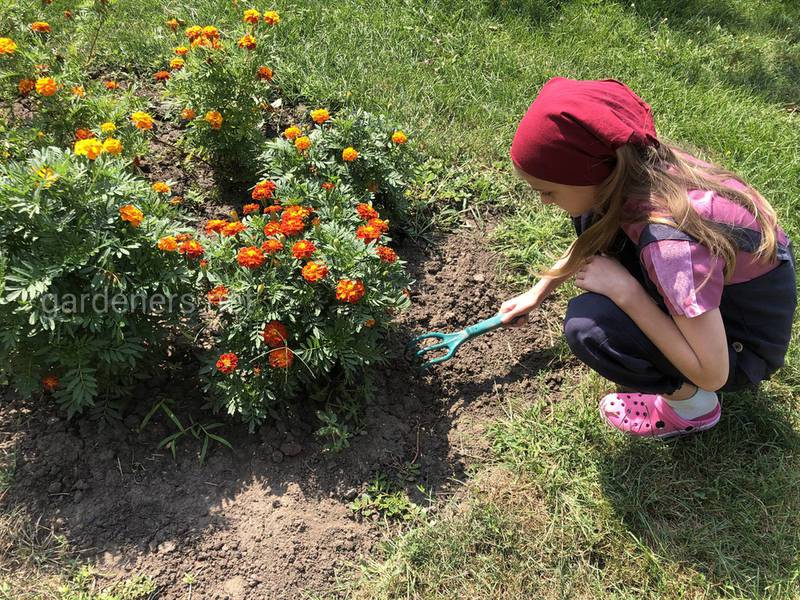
{"x":517,"y":308}
{"x":605,"y":275}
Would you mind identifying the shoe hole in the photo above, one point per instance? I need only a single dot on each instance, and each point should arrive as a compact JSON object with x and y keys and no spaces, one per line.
{"x":637,"y":413}
{"x":625,"y":421}
{"x":659,"y":424}
{"x":647,"y":424}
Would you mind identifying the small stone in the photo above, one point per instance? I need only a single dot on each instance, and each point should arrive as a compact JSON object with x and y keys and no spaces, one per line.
{"x":277,"y":456}
{"x":291,"y":448}
{"x":166,"y":547}
{"x":276,"y":503}
{"x":351,"y":494}
{"x":478,"y":277}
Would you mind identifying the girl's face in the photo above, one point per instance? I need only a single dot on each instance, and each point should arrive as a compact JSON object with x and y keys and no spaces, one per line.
{"x":574,"y":199}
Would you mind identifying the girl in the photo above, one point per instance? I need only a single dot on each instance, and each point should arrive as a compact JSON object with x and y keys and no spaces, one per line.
{"x":689,"y":279}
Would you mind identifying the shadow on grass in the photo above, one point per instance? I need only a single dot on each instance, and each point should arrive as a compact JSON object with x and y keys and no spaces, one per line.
{"x":725,"y":502}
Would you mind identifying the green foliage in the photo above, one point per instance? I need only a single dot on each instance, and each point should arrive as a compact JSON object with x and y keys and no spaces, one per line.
{"x":387,"y":499}
{"x":85,"y":294}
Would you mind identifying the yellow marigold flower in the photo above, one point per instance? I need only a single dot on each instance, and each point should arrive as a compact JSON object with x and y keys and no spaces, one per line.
{"x":399,"y":138}
{"x":214,"y":119}
{"x":112,"y":146}
{"x":264,"y":73}
{"x":26,"y":86}
{"x":46,"y":86}
{"x":7,"y":46}
{"x":108,"y":127}
{"x":160,"y":187}
{"x":349,"y":154}
{"x":176,"y":64}
{"x":302,"y":143}
{"x":173,"y":24}
{"x":188,"y":114}
{"x":131,"y":214}
{"x":40,"y":27}
{"x":193,"y":31}
{"x":47,"y":175}
{"x":247,"y":41}
{"x":142,"y":120}
{"x":271,"y":17}
{"x":78,"y":91}
{"x":181,"y":50}
{"x":320,"y":115}
{"x":210,"y":32}
{"x":251,"y":16}
{"x":168,"y":244}
{"x":90,"y":148}
{"x":291,"y":133}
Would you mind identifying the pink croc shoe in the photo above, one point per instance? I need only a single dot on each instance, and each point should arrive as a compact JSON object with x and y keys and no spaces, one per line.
{"x":648,"y":415}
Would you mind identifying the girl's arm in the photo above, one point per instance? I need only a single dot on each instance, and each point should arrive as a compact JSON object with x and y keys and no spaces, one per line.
{"x":533,"y":298}
{"x":697,"y":346}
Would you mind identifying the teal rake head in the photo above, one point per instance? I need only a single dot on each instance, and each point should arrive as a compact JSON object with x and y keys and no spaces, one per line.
{"x":447,"y":341}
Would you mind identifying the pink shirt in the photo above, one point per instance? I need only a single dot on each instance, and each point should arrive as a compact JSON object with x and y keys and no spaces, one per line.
{"x":678,"y":268}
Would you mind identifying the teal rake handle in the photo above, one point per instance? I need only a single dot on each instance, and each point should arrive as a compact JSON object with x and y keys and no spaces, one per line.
{"x":452,"y":341}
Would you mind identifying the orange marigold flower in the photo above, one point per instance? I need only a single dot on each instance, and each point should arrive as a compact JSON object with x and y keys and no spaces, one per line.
{"x":379,"y":224}
{"x":131,"y":214}
{"x":368,"y":233}
{"x":320,"y":115}
{"x":78,"y":91}
{"x":264,"y":73}
{"x":214,"y":119}
{"x":399,"y":138}
{"x":369,"y":323}
{"x":187,"y":114}
{"x":50,"y":383}
{"x":303,"y":249}
{"x":182,"y":237}
{"x":281,"y":358}
{"x":161,"y":75}
{"x":263,"y":190}
{"x":250,"y":257}
{"x":168,"y":244}
{"x":314,"y":271}
{"x":386,"y":254}
{"x":90,"y":148}
{"x":173,"y":24}
{"x":251,"y":208}
{"x":210,"y":32}
{"x":160,"y":187}
{"x":349,"y":154}
{"x":192,"y":249}
{"x":112,"y":146}
{"x":176,"y":64}
{"x":328,"y":186}
{"x":251,"y":16}
{"x":275,"y":334}
{"x":142,"y":120}
{"x":272,"y":228}
{"x":292,"y":133}
{"x":46,"y":86}
{"x":272,"y":246}
{"x":348,"y":290}
{"x":302,"y":143}
{"x":271,"y":17}
{"x":7,"y":46}
{"x":193,"y":31}
{"x":181,"y":51}
{"x":83,"y":133}
{"x":203,"y":264}
{"x":40,"y":27}
{"x":296,"y":212}
{"x":366,"y":212}
{"x":227,"y":363}
{"x":290,"y":227}
{"x":111,"y":84}
{"x":215,"y":226}
{"x":217,"y":295}
{"x":233,"y":228}
{"x":26,"y":86}
{"x":272,"y":209}
{"x":247,"y":41}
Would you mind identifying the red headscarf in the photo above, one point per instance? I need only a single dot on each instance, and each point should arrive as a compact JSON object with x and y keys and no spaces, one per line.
{"x":571,"y":131}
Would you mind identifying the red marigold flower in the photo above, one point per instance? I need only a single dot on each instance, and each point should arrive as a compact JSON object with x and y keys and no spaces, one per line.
{"x":303,"y":249}
{"x":264,"y":73}
{"x":83,"y":134}
{"x":348,"y":290}
{"x":217,"y":295}
{"x":161,"y":75}
{"x":131,"y":214}
{"x":251,"y":16}
{"x":272,"y":246}
{"x":272,"y":228}
{"x":379,"y":224}
{"x":50,"y":383}
{"x":215,"y":226}
{"x":275,"y":334}
{"x":233,"y":228}
{"x":291,"y":226}
{"x":281,"y":358}
{"x":314,"y":271}
{"x":366,"y":212}
{"x":263,"y":190}
{"x":203,"y":264}
{"x":192,"y":249}
{"x":349,"y":154}
{"x":273,"y":209}
{"x":368,"y":233}
{"x":227,"y":363}
{"x":26,"y":86}
{"x":168,"y":244}
{"x":250,"y":257}
{"x":328,"y":186}
{"x":251,"y":208}
{"x":386,"y":254}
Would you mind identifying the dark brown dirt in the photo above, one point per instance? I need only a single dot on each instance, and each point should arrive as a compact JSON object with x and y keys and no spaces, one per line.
{"x":271,"y":518}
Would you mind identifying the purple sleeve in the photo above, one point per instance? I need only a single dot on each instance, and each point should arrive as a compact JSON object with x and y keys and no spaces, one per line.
{"x":678,"y":268}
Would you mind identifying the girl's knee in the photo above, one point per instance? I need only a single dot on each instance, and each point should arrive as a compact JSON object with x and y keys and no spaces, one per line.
{"x":589,"y":317}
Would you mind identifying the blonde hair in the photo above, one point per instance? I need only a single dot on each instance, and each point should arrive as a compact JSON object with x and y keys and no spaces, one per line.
{"x":660,"y":178}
